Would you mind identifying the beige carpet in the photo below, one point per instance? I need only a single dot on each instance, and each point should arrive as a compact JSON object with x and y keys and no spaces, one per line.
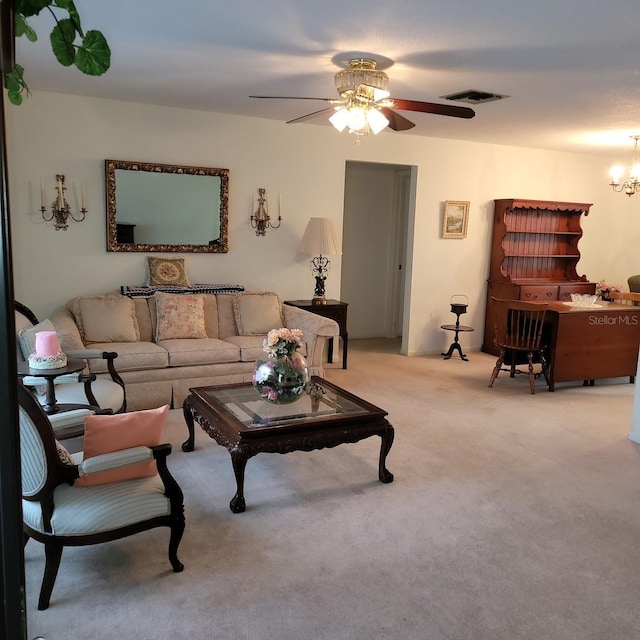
{"x":511,"y":516}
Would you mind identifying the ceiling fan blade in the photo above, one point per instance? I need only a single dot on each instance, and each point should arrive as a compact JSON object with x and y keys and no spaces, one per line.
{"x":295,"y":98}
{"x":396,"y":121}
{"x":432,"y":107}
{"x":309,"y":115}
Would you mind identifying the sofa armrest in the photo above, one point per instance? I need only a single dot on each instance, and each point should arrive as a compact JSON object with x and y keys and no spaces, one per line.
{"x":71,"y":343}
{"x":316,"y":330}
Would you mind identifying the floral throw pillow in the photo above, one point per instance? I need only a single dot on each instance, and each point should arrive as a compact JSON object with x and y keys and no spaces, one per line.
{"x":167,"y":271}
{"x":178,"y":316}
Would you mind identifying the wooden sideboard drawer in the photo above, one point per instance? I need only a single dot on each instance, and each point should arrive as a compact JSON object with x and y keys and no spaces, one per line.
{"x":566,"y":290}
{"x":539,"y":293}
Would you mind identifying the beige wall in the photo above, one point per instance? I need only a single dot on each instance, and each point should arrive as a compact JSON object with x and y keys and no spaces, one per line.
{"x":53,"y":133}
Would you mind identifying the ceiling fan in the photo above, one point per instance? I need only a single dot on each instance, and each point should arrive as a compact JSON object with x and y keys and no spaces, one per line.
{"x":364,"y":105}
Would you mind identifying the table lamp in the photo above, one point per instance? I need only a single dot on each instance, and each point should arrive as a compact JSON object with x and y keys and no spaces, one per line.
{"x":319,"y":240}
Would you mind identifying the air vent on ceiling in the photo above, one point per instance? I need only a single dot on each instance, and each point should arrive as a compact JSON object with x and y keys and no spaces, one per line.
{"x":473,"y":96}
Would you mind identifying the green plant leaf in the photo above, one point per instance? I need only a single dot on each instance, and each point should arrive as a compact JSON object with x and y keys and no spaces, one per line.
{"x":30,"y":7}
{"x":14,"y":98}
{"x":70,"y":7}
{"x":94,"y":55}
{"x":14,"y":84}
{"x":23,"y":29}
{"x":62,"y":37}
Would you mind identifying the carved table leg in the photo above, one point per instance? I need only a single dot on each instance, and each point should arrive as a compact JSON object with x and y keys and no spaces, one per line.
{"x":239,"y":461}
{"x":188,"y":444}
{"x":387,"y":440}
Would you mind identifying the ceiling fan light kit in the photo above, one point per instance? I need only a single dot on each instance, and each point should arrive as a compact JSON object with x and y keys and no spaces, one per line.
{"x":364,"y":105}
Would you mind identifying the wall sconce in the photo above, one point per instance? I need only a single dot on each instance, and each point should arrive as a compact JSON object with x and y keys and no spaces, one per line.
{"x":260,"y":219}
{"x":60,"y":209}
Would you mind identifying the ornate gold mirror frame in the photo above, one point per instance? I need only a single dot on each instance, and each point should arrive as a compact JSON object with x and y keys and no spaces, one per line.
{"x":166,"y":208}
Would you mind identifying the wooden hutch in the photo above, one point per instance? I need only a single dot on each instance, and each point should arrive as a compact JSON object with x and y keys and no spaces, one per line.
{"x":534,"y":254}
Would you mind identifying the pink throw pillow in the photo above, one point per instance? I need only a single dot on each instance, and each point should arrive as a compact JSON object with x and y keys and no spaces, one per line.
{"x":106,"y":434}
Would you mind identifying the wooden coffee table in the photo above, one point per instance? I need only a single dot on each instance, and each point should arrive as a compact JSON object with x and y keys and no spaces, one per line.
{"x":326,"y":416}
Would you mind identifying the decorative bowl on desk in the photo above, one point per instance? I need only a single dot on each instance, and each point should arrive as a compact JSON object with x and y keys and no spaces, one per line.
{"x":583,"y":299}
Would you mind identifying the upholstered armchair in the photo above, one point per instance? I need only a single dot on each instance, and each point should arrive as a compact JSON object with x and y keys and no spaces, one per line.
{"x":58,"y":512}
{"x":74,"y":389}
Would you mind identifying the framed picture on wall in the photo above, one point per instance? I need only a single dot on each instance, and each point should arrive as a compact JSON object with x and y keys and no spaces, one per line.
{"x":456,"y":216}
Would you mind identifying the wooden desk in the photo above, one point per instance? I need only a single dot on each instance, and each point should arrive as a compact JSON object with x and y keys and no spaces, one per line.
{"x":334,"y":310}
{"x":591,"y":343}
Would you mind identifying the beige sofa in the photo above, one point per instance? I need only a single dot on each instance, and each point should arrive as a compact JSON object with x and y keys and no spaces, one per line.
{"x":167,"y":343}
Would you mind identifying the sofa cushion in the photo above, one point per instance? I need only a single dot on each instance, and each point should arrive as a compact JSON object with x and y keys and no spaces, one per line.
{"x":132,"y":356}
{"x":257,"y":313}
{"x":108,"y":320}
{"x":143,"y":316}
{"x":92,"y":303}
{"x":250,"y":347}
{"x":226,"y":319}
{"x":187,"y":352}
{"x":109,"y":433}
{"x":179,"y":316}
{"x":168,"y":271}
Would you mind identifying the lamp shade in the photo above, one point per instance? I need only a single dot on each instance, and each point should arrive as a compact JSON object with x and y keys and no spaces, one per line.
{"x":319,"y":238}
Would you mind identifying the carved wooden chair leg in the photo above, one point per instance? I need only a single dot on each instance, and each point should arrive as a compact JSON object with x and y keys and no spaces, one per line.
{"x":177,"y":529}
{"x":532,"y":375}
{"x":53,"y":553}
{"x":496,"y":369}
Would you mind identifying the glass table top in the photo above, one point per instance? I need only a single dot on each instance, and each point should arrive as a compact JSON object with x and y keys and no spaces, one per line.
{"x":319,"y":402}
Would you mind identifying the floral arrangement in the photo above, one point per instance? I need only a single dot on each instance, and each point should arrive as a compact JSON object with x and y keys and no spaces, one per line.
{"x":282,"y":342}
{"x":283,"y":377}
{"x":603,"y":289}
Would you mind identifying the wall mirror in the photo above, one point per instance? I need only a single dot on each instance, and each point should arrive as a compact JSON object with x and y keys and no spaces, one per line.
{"x":166,"y":208}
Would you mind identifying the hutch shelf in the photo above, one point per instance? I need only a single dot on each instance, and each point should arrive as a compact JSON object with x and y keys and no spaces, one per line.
{"x":534,"y":254}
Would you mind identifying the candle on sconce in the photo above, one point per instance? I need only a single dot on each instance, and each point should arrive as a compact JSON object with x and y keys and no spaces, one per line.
{"x":82,"y":195}
{"x":42,"y":193}
{"x":60,"y":196}
{"x":279,"y":204}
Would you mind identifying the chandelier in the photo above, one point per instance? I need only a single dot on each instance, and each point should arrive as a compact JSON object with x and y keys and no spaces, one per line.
{"x":364,"y":89}
{"x":631,"y":184}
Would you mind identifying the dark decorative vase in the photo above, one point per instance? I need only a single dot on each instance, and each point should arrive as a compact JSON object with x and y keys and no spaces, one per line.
{"x":281,"y":379}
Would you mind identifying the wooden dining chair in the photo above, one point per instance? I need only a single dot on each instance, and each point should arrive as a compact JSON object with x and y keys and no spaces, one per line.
{"x":518,"y":332}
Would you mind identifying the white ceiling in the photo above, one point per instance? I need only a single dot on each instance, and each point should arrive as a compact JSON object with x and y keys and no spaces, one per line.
{"x":570,"y":67}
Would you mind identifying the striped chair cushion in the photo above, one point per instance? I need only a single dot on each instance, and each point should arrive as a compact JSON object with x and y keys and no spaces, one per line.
{"x":87,"y":510}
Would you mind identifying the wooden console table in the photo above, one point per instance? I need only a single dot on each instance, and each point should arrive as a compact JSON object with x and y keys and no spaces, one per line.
{"x":335,"y":310}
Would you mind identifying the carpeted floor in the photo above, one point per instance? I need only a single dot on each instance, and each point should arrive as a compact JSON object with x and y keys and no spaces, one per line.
{"x":511,"y":516}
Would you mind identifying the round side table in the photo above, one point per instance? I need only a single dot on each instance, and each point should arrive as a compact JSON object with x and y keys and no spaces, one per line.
{"x":51,"y":405}
{"x":455,"y":345}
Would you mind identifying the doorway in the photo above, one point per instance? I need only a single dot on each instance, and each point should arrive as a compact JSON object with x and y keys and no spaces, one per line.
{"x":378,"y":207}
